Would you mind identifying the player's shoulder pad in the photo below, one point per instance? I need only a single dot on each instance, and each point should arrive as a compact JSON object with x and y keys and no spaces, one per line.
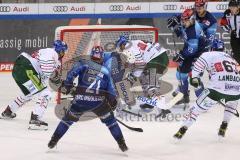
{"x":211,"y":17}
{"x":47,"y":51}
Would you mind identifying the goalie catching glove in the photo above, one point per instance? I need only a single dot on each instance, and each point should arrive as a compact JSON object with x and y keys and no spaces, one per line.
{"x":195,"y":82}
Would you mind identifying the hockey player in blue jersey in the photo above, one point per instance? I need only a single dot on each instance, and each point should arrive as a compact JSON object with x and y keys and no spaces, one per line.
{"x":194,"y":44}
{"x":205,"y":19}
{"x":94,"y":92}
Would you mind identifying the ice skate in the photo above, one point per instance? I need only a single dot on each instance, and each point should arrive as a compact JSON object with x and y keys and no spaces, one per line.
{"x":8,"y":114}
{"x":53,"y":142}
{"x":36,"y":124}
{"x":180,"y":133}
{"x":122,"y":145}
{"x":222,"y":129}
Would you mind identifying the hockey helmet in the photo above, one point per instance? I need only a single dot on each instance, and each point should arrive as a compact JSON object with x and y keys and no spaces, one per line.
{"x":123,"y":39}
{"x":217,"y":45}
{"x":233,"y":3}
{"x":97,"y":54}
{"x":60,"y":47}
{"x":201,"y":3}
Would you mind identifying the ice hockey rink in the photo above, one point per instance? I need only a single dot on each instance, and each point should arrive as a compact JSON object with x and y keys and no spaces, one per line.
{"x":91,"y":140}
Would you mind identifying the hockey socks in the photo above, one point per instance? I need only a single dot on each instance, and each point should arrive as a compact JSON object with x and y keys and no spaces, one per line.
{"x":61,"y":129}
{"x":183,"y":79}
{"x":110,"y":121}
{"x":115,"y":130}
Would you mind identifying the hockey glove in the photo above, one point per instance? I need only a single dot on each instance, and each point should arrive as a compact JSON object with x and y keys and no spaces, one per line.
{"x":226,"y":28}
{"x":66,"y":88}
{"x":164,"y":113}
{"x":178,"y":31}
{"x":195,"y":82}
{"x":55,"y":78}
{"x":172,"y":22}
{"x":178,"y":58}
{"x":130,"y":77}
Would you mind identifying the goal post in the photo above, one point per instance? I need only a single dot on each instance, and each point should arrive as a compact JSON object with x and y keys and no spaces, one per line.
{"x":81,"y":39}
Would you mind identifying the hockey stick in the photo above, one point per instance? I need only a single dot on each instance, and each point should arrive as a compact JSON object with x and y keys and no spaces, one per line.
{"x":135,"y":114}
{"x":168,"y":105}
{"x":178,"y":68}
{"x":131,"y":128}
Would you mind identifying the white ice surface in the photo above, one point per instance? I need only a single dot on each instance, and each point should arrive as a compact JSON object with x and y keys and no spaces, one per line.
{"x":91,"y":140}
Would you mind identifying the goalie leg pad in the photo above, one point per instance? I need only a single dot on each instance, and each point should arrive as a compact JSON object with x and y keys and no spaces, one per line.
{"x":110,"y":121}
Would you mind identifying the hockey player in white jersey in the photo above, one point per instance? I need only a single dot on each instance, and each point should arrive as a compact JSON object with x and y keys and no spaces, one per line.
{"x":31,"y":73}
{"x":223,"y":87}
{"x":149,"y":61}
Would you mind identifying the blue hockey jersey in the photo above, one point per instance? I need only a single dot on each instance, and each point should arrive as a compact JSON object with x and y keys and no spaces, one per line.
{"x":95,"y":85}
{"x":208,"y":24}
{"x":194,"y":41}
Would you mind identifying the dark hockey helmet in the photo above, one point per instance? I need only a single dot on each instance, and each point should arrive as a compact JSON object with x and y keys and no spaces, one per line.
{"x":60,"y":47}
{"x":97,"y":54}
{"x":187,"y":14}
{"x":217,"y":45}
{"x":233,"y":3}
{"x":201,"y":3}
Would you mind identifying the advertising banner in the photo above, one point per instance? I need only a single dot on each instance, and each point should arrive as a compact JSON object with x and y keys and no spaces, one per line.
{"x":28,"y":35}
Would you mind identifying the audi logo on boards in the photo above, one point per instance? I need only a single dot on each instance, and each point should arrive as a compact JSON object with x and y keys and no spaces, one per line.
{"x":222,"y":7}
{"x":5,"y":8}
{"x":116,"y":8}
{"x":60,"y":8}
{"x":170,"y":7}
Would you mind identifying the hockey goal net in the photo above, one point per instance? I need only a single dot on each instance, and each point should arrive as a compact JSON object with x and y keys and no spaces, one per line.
{"x":81,"y":39}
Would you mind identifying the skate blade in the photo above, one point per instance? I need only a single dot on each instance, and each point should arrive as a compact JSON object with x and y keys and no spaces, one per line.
{"x":176,"y":140}
{"x":221,"y":139}
{"x":36,"y":127}
{"x":5,"y":118}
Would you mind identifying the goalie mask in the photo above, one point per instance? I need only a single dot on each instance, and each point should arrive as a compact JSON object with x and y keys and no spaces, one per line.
{"x":97,"y":54}
{"x":60,"y":47}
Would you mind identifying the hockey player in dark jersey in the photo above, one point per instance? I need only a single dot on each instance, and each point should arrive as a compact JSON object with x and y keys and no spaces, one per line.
{"x":205,"y":19}
{"x":94,"y":92}
{"x":194,"y":44}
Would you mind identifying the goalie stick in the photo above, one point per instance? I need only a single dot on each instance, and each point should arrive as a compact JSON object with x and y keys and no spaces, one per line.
{"x":157,"y":103}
